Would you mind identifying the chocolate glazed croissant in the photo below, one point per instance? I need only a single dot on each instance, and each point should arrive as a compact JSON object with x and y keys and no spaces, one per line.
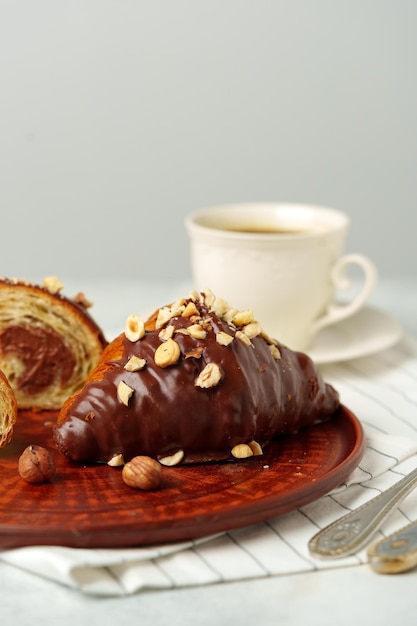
{"x":8,"y":410}
{"x":48,"y":343}
{"x":198,"y":382}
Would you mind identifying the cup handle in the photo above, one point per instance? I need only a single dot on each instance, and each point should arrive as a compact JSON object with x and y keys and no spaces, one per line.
{"x":341,"y":282}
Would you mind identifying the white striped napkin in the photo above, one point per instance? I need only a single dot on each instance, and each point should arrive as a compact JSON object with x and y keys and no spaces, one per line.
{"x":382,"y":391}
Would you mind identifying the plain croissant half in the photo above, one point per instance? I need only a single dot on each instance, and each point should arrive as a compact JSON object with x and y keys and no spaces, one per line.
{"x":199,"y":381}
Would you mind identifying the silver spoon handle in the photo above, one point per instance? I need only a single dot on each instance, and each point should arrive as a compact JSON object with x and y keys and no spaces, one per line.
{"x":350,"y":533}
{"x":396,"y":553}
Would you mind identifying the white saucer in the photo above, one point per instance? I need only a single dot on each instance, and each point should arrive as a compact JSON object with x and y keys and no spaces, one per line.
{"x":367,"y":332}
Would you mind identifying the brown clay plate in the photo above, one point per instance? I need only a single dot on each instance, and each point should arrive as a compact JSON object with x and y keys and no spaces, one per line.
{"x":90,"y":506}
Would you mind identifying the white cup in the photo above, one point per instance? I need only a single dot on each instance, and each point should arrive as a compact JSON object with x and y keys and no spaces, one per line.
{"x":284,"y":261}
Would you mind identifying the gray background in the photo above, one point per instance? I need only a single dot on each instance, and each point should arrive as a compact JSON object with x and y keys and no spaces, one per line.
{"x":118,"y":117}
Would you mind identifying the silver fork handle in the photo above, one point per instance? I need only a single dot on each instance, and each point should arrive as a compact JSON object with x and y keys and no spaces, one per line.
{"x":351,"y":533}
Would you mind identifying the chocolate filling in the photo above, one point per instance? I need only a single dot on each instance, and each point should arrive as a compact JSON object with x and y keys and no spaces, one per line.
{"x":46,"y":358}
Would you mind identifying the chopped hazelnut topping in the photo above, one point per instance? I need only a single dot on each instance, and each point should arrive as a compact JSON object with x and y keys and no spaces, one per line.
{"x":53,"y":284}
{"x":163,"y":317}
{"x":242,"y":451}
{"x":116,"y":461}
{"x":197,"y":331}
{"x":135,"y":364}
{"x":256,"y":448}
{"x":243,"y":317}
{"x":178,"y":308}
{"x":252,"y":329}
{"x":243,"y":338}
{"x":190,"y":310}
{"x":223,"y":338}
{"x":179,"y":303}
{"x":230,"y":314}
{"x":173,"y":459}
{"x":208,"y":297}
{"x":195,"y":318}
{"x":134,"y":328}
{"x":168,"y":353}
{"x":220,"y":307}
{"x":275,"y":352}
{"x":167,"y":332}
{"x":194,"y":296}
{"x":210,"y":376}
{"x":124,"y":392}
{"x":81,"y":299}
{"x":194,"y":353}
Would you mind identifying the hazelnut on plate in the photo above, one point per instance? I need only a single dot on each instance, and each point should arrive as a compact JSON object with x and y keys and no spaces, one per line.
{"x":142,"y":472}
{"x":36,"y":464}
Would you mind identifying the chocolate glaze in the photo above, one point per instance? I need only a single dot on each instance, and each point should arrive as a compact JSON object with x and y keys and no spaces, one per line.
{"x":45,"y":356}
{"x":258,"y":398}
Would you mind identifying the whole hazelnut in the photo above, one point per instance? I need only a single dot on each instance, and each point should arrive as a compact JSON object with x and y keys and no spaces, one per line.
{"x":142,"y":472}
{"x":36,"y":465}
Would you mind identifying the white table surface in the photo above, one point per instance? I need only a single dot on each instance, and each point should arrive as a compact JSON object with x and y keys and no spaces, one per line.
{"x":335,"y":596}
